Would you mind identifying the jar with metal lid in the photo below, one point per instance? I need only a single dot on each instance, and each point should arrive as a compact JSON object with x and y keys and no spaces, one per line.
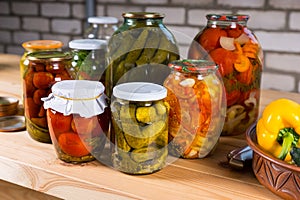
{"x":43,"y":70}
{"x":89,"y":59}
{"x":196,"y":98}
{"x":140,"y":50}
{"x":227,"y":40}
{"x":76,"y":114}
{"x":38,"y":45}
{"x":101,"y":27}
{"x":140,"y":127}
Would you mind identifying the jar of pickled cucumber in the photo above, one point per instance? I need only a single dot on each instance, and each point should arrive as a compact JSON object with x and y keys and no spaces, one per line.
{"x":38,"y":45}
{"x":140,"y":127}
{"x":44,"y":68}
{"x":140,"y":50}
{"x":227,"y":40}
{"x":77,"y":120}
{"x":196,"y":97}
{"x":101,"y":27}
{"x":89,"y":59}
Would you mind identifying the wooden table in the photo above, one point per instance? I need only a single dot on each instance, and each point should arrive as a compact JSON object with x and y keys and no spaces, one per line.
{"x":34,"y":165}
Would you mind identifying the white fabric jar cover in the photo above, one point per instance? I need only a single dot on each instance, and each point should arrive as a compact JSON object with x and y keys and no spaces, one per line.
{"x":81,"y":97}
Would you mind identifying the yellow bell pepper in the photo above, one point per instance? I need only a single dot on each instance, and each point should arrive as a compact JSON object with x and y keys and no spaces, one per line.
{"x":278,"y":129}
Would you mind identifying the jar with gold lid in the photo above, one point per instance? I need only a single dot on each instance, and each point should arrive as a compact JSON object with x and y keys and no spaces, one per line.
{"x":140,"y":50}
{"x":43,"y":70}
{"x":38,"y":45}
{"x":196,"y":98}
{"x":228,"y":41}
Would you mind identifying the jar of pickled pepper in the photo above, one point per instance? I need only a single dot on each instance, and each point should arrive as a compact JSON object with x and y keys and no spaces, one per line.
{"x":43,"y":70}
{"x":38,"y":45}
{"x":196,"y":98}
{"x":140,"y":50}
{"x":140,"y":126}
{"x":77,"y":119}
{"x":227,"y":40}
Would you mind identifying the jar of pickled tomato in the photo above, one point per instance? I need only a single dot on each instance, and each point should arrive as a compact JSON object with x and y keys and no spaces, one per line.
{"x":38,"y":45}
{"x":76,"y":114}
{"x":44,"y":68}
{"x":196,"y":98}
{"x":140,"y":127}
{"x":227,"y":40}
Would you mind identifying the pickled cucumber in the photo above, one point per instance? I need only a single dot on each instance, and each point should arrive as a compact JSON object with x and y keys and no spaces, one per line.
{"x":146,"y":114}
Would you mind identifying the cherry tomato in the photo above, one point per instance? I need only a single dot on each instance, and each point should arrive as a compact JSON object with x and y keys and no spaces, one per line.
{"x":225,"y":59}
{"x":59,"y":122}
{"x":235,"y":32}
{"x":85,"y":126}
{"x":209,"y":38}
{"x":42,"y":80}
{"x":71,"y":144}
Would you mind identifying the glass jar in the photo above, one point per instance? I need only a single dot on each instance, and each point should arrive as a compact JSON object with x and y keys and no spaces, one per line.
{"x":89,"y":61}
{"x":140,"y":50}
{"x":77,"y":119}
{"x":101,"y":27}
{"x":43,"y":70}
{"x":38,"y":45}
{"x":140,"y":126}
{"x":227,"y":40}
{"x":196,"y":98}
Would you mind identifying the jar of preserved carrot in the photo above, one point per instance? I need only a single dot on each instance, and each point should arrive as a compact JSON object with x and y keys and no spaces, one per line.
{"x":196,"y":98}
{"x":229,"y":43}
{"x":76,"y":114}
{"x":38,"y":45}
{"x":140,"y":127}
{"x":43,"y":70}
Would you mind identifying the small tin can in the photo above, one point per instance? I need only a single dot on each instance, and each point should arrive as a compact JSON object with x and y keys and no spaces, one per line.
{"x":77,"y":119}
{"x":44,"y":68}
{"x":140,"y":127}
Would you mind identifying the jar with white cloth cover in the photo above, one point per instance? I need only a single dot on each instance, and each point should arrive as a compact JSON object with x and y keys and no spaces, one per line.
{"x":77,"y":114}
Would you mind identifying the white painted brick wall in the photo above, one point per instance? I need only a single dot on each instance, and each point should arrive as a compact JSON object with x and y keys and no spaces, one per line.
{"x":172,"y":15}
{"x":294,"y":22}
{"x":10,"y":23}
{"x":278,"y":81}
{"x":279,"y":41}
{"x":242,"y":3}
{"x":197,"y":17}
{"x":24,"y":8}
{"x":193,"y":2}
{"x":285,"y":4}
{"x":55,"y":9}
{"x":5,"y":36}
{"x":78,"y":11}
{"x":100,"y":10}
{"x":22,"y":36}
{"x":265,"y":19}
{"x":283,"y":62}
{"x":35,"y":24}
{"x":66,"y":26}
{"x":150,"y":2}
{"x":117,"y":10}
{"x":4,"y":8}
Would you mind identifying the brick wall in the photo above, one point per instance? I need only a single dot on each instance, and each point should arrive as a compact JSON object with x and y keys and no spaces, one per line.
{"x":275,"y":23}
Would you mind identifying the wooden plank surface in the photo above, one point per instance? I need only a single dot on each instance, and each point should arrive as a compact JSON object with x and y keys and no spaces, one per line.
{"x":34,"y":165}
